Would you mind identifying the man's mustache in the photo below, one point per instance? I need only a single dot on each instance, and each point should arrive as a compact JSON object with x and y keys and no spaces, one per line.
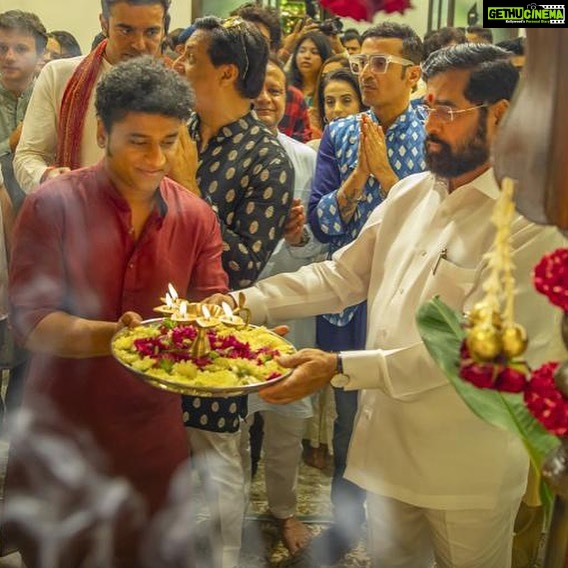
{"x":435,"y":139}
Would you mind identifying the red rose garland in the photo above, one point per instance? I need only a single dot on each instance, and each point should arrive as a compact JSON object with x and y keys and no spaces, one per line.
{"x":542,"y":397}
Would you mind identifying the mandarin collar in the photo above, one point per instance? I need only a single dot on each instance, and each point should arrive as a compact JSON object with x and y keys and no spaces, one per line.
{"x":227,"y":131}
{"x":106,"y":185}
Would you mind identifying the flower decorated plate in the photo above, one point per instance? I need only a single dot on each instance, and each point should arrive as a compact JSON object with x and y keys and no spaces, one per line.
{"x":234,"y":361}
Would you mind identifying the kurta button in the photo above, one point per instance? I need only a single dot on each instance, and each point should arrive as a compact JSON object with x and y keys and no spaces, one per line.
{"x":131,"y":265}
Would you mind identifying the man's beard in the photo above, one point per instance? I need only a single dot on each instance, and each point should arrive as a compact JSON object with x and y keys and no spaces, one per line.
{"x":467,"y":157}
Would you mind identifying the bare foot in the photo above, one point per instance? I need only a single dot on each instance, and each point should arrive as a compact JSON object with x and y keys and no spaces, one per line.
{"x":294,"y":534}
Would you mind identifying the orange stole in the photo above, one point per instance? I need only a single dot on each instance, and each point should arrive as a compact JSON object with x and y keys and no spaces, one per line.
{"x":74,"y":108}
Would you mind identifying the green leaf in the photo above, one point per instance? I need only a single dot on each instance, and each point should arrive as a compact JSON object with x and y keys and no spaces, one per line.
{"x":441,"y":330}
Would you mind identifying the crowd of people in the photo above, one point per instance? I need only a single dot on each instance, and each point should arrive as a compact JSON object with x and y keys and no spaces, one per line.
{"x":336,"y":179}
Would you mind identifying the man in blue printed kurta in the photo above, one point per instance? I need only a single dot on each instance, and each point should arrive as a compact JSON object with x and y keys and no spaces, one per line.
{"x":360,"y":158}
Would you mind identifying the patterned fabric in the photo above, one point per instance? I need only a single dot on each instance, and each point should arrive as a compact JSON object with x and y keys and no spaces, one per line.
{"x":74,"y":108}
{"x":248,"y":179}
{"x":74,"y":251}
{"x":337,"y":158}
{"x":246,"y":176}
{"x":296,"y":120}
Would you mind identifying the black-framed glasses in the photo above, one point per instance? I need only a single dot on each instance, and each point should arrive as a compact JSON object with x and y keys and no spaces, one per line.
{"x":444,"y":113}
{"x":238,"y":24}
{"x":378,"y":63}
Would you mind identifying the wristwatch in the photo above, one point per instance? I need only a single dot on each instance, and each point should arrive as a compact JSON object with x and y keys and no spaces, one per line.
{"x":340,"y":379}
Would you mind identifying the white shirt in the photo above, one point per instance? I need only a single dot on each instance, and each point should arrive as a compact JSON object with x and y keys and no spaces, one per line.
{"x":286,"y":258}
{"x":415,"y":440}
{"x":38,"y":143}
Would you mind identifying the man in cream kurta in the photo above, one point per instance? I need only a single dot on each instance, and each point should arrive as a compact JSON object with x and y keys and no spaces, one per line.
{"x":442,"y":483}
{"x":133,"y":28}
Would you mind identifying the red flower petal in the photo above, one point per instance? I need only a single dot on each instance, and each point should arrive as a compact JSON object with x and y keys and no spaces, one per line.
{"x":550,"y":277}
{"x":545,"y":402}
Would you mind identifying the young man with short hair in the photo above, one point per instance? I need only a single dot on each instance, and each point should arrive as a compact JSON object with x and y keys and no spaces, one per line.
{"x":93,"y":252}
{"x":22,"y":43}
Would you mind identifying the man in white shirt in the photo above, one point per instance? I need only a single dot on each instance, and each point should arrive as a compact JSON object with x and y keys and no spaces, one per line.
{"x":64,"y":89}
{"x":442,"y":484}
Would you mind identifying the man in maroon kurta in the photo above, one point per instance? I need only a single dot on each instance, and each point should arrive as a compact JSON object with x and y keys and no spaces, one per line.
{"x":94,"y":250}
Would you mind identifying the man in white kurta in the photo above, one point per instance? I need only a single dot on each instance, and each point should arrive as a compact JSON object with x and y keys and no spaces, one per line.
{"x":442,"y":483}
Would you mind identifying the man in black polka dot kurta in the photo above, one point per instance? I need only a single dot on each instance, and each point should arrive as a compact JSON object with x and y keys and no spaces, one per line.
{"x":246,"y":176}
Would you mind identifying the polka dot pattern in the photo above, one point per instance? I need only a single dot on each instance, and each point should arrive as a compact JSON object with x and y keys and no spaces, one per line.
{"x":247,"y":178}
{"x":246,"y":175}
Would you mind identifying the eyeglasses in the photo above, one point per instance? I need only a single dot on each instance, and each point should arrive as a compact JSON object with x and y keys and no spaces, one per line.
{"x":378,"y":63}
{"x":238,"y":24}
{"x":443,"y":113}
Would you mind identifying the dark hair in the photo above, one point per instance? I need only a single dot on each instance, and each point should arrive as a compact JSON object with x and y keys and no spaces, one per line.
{"x":324,"y":49}
{"x":171,"y":41}
{"x":351,"y":34}
{"x":343,"y":75}
{"x":241,"y":45}
{"x":143,"y":84}
{"x":340,"y":58}
{"x":515,"y":46}
{"x":257,"y":14}
{"x":69,"y":45}
{"x":25,"y":22}
{"x":106,"y":5}
{"x":436,"y":39}
{"x":492,"y":76}
{"x":484,"y":33}
{"x":412,"y":47}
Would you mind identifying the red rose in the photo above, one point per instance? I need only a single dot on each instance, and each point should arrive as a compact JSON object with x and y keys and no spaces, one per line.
{"x":479,"y":374}
{"x":545,"y":402}
{"x":551,"y":277}
{"x":510,"y":380}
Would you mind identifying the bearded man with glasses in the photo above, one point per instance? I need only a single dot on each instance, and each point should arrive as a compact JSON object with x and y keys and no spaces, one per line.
{"x":360,"y":158}
{"x":442,"y":485}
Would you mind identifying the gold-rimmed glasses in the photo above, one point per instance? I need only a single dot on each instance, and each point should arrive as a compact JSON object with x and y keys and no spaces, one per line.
{"x":238,"y":24}
{"x":378,"y":63}
{"x":444,"y":113}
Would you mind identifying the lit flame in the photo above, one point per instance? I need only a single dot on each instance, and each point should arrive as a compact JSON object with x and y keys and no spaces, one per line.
{"x":183,"y":309}
{"x":227,"y":309}
{"x":172,"y":291}
{"x":169,"y":301}
{"x":206,"y":312}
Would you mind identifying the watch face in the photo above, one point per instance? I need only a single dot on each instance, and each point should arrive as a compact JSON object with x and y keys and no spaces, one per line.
{"x":339,"y":381}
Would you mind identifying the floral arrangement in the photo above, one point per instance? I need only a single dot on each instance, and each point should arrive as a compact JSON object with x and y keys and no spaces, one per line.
{"x":236,"y":357}
{"x":481,"y":352}
{"x":364,"y":9}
